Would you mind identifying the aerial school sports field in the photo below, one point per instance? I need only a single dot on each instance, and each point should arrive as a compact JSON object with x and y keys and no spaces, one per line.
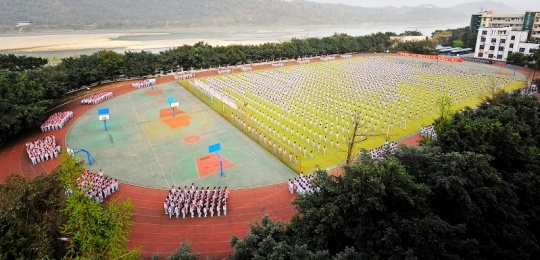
{"x":274,"y":122}
{"x":145,"y":146}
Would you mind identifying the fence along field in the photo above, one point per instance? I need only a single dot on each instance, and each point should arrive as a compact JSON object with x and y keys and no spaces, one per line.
{"x":304,"y":114}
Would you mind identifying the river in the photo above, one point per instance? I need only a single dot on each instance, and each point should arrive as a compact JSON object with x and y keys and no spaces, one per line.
{"x":65,"y":44}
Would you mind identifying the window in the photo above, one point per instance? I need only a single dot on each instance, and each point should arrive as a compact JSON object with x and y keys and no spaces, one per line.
{"x":491,"y":48}
{"x":501,"y":48}
{"x":503,"y":40}
{"x":483,"y":40}
{"x":499,"y":57}
{"x":521,"y":50}
{"x":480,"y":55}
{"x":484,"y":32}
{"x":532,"y":50}
{"x":482,"y":47}
{"x":512,"y":38}
{"x":493,"y":40}
{"x":511,"y":45}
{"x":490,"y":56}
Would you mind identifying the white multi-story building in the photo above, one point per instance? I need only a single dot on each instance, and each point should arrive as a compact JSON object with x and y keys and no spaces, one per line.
{"x":502,"y":34}
{"x":497,"y":43}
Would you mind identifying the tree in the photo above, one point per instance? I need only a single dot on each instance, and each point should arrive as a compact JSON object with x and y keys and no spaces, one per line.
{"x":420,"y":47}
{"x":31,"y":218}
{"x":377,"y":209}
{"x":183,"y":253}
{"x":467,"y":191}
{"x":12,"y":62}
{"x":353,"y":140}
{"x":53,"y":81}
{"x":505,"y":127}
{"x":444,"y":104}
{"x":112,"y":62}
{"x":516,"y":58}
{"x":138,"y":64}
{"x":457,"y":43}
{"x":22,"y":102}
{"x":447,"y":37}
{"x":270,"y":240}
{"x":96,"y":232}
{"x":411,"y":33}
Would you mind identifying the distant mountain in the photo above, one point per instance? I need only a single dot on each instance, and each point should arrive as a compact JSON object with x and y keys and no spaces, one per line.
{"x":475,"y":7}
{"x":114,"y":14}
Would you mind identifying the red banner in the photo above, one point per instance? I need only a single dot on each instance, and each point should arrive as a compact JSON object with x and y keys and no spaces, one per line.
{"x":431,"y":57}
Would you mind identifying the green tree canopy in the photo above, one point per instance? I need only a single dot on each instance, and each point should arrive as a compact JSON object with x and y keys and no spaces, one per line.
{"x":31,"y":218}
{"x":516,"y":58}
{"x":96,"y":232}
{"x":457,"y":43}
{"x":183,"y":253}
{"x":411,"y":33}
{"x":12,"y":62}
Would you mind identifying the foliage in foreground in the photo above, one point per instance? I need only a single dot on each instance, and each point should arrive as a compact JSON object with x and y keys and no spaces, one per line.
{"x":474,"y":194}
{"x":96,"y":231}
{"x":31,"y":217}
{"x":35,"y":213}
{"x":183,"y":253}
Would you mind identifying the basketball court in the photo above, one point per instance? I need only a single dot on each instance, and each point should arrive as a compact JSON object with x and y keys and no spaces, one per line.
{"x":147,"y":145}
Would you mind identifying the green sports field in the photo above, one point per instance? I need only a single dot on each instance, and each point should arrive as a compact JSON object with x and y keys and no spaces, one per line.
{"x":141,"y":148}
{"x":306,"y":111}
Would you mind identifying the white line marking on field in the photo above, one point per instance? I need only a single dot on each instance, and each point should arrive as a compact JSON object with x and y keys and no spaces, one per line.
{"x":129,"y":95}
{"x":155,"y":156}
{"x":247,"y":147}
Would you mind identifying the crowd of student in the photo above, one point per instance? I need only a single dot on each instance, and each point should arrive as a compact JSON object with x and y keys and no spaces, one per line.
{"x":143,"y":83}
{"x":379,"y":153}
{"x":183,"y":75}
{"x":327,"y":57}
{"x":300,"y":113}
{"x":56,"y":121}
{"x":246,"y":68}
{"x":278,"y":64}
{"x":303,"y":60}
{"x":188,"y":201}
{"x":477,"y":60}
{"x":532,"y":90}
{"x":97,"y":98}
{"x":42,"y":150}
{"x":302,"y":185}
{"x":428,"y":132}
{"x":222,"y":71}
{"x":97,"y":186}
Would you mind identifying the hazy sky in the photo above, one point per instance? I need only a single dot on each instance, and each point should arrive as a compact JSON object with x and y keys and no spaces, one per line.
{"x":517,"y":4}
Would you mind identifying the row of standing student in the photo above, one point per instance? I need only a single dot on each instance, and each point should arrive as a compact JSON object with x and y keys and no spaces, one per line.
{"x":97,"y":98}
{"x":42,"y":149}
{"x":97,"y":186}
{"x":203,"y":202}
{"x":56,"y":121}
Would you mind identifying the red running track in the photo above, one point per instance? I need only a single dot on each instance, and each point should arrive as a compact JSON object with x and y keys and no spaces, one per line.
{"x":154,"y":232}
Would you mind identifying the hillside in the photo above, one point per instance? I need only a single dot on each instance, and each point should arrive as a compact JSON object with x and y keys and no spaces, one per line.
{"x":104,"y":14}
{"x":475,"y":7}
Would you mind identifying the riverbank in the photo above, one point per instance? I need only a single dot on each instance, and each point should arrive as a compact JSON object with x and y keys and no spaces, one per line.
{"x":69,"y":43}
